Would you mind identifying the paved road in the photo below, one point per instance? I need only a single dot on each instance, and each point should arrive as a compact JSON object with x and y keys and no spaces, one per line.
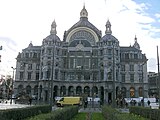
{"x":6,"y":105}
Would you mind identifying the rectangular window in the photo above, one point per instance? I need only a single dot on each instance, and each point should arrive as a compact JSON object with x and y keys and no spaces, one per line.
{"x":135,"y":56}
{"x":48,"y":74}
{"x":37,"y":66}
{"x":62,"y":75}
{"x":86,"y":63}
{"x":109,"y":43}
{"x":71,"y":76}
{"x":49,"y":51}
{"x":22,"y":66}
{"x":123,"y":78}
{"x":86,"y":76}
{"x":56,"y":74}
{"x":29,"y":75}
{"x":132,"y":78}
{"x":37,"y":76}
{"x":79,"y":63}
{"x":95,"y":53}
{"x":71,"y":63}
{"x":21,"y":75}
{"x":101,"y":52}
{"x":117,"y":52}
{"x":102,"y":75}
{"x":140,"y":78}
{"x":131,"y":67}
{"x":34,"y":55}
{"x":109,"y":51}
{"x":127,"y":56}
{"x":29,"y":66}
{"x":122,"y":67}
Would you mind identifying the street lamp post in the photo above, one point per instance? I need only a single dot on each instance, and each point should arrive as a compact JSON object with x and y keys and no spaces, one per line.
{"x":143,"y":91}
{"x":12,"y":83}
{"x":158,"y":88}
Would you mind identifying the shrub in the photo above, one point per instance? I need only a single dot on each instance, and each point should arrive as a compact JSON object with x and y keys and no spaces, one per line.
{"x":152,"y":114}
{"x":112,"y":114}
{"x":21,"y":113}
{"x":65,"y":113}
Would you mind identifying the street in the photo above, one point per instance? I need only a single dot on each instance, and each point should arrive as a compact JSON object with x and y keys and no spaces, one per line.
{"x":6,"y":105}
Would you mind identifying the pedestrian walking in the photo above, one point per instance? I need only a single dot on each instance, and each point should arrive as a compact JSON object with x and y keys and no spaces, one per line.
{"x":30,"y":100}
{"x":148,"y":102}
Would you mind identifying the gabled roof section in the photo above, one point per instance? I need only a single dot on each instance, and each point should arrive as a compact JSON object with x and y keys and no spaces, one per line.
{"x":83,"y":22}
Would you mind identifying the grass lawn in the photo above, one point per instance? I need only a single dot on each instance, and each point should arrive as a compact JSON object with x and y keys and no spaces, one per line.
{"x":82,"y":116}
{"x":97,"y":116}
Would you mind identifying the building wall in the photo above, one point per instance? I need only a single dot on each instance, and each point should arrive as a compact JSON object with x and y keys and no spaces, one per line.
{"x":85,"y":63}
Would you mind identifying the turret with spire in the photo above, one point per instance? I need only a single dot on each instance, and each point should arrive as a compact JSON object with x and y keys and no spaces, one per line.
{"x":108,"y":28}
{"x":136,"y":45}
{"x":84,"y":13}
{"x":53,"y":28}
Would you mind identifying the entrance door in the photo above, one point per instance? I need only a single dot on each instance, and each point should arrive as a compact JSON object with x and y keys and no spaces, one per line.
{"x":109,"y":98}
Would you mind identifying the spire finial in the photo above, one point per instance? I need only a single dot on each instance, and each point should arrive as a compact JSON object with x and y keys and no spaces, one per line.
{"x":136,"y":45}
{"x":135,"y":38}
{"x":84,"y":12}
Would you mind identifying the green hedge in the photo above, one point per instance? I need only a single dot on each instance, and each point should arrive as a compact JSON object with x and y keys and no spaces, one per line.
{"x":152,"y":114}
{"x":109,"y":113}
{"x":22,"y":113}
{"x":65,"y":113}
{"x":112,"y":114}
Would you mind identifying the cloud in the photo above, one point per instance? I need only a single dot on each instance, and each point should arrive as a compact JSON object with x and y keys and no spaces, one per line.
{"x":157,"y":15}
{"x":8,"y":44}
{"x":8,"y":54}
{"x":152,"y":64}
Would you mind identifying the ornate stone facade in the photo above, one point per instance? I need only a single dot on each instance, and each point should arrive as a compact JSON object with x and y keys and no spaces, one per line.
{"x":84,"y":63}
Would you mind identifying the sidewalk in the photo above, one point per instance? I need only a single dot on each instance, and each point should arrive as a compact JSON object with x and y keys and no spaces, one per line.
{"x":90,"y":110}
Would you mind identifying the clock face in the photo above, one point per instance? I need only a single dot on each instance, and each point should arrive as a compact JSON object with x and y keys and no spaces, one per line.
{"x":83,"y":35}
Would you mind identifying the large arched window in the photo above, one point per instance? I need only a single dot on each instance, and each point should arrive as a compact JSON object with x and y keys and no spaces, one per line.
{"x":132,"y":92}
{"x":140,"y":92}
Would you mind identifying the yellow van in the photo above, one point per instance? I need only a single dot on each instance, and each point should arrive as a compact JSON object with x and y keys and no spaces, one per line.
{"x":64,"y":101}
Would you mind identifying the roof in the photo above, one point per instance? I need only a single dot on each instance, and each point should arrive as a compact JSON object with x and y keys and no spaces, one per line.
{"x":108,"y":37}
{"x":53,"y":37}
{"x":130,"y":48}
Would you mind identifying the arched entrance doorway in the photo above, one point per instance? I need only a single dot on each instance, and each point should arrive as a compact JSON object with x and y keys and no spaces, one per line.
{"x":78,"y":90}
{"x":87,"y":91}
{"x":62,"y":91}
{"x":70,"y":91}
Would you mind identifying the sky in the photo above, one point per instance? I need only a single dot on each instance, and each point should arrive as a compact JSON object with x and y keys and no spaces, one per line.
{"x":25,"y":21}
